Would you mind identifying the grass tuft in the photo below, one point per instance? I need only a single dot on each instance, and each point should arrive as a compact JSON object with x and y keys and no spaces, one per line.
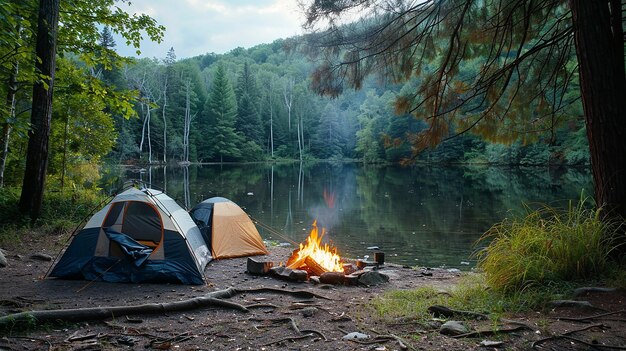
{"x":547,"y":245}
{"x":470,"y":294}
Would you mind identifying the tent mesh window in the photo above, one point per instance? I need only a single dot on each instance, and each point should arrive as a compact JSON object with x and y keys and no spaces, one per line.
{"x":138,"y":220}
{"x":143,"y":223}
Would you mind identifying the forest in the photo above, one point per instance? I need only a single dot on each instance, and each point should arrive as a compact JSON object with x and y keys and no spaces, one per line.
{"x":394,"y":101}
{"x":246,"y":105}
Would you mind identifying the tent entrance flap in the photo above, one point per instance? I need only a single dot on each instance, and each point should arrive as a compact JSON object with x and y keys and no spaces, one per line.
{"x":135,"y":251}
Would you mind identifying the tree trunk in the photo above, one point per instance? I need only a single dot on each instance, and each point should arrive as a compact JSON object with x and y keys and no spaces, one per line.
{"x":164,"y":121}
{"x":288,"y":95}
{"x":600,"y":51}
{"x":8,"y":124}
{"x":149,"y":140}
{"x":187,"y":124}
{"x":6,"y":134}
{"x":271,"y":122}
{"x":64,"y":160}
{"x":41,"y":114}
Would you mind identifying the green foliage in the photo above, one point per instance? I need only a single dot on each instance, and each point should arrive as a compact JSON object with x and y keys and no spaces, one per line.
{"x":10,"y":217}
{"x":470,"y":294}
{"x":251,"y":152}
{"x":61,"y":213}
{"x":221,"y":113}
{"x":575,"y":147}
{"x":79,"y":115}
{"x":547,"y":245}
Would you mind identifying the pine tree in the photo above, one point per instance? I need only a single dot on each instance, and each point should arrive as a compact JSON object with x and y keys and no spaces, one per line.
{"x":108,"y":68}
{"x":221,"y":110}
{"x":248,"y":118}
{"x":327,"y":139}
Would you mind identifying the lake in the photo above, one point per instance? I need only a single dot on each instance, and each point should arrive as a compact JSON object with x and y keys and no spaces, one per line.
{"x":420,"y":215}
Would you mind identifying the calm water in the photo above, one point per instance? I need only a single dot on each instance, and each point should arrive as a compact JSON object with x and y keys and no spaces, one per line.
{"x":429,"y":216}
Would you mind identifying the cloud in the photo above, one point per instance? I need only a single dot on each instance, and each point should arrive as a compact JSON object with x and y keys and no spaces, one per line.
{"x":195,"y":27}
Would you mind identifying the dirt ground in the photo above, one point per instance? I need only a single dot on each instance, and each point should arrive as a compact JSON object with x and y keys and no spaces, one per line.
{"x":321,"y":323}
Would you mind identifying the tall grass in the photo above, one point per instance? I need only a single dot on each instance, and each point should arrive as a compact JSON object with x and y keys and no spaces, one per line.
{"x":547,"y":245}
{"x":61,"y":213}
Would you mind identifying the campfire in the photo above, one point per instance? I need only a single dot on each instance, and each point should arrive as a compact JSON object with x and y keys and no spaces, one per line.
{"x":319,"y":263}
{"x":314,"y":257}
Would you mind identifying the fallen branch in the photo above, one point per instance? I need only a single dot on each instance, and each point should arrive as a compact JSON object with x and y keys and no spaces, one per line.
{"x":592,"y":345}
{"x":589,"y":318}
{"x":303,"y":294}
{"x":438,"y":311}
{"x":261,"y":305}
{"x":176,"y":338}
{"x":379,"y":339}
{"x":573,"y":303}
{"x":566,"y":335}
{"x":490,"y":332}
{"x":315,"y":332}
{"x":215,"y":299}
{"x":289,"y":338}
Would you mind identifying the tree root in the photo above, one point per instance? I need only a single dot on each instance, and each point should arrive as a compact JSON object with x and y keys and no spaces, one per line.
{"x":438,"y":310}
{"x":589,"y":318}
{"x":567,"y":335}
{"x":490,"y":332}
{"x":261,"y":305}
{"x":292,"y":323}
{"x":212,"y":299}
{"x":571,"y":338}
{"x":379,"y":339}
{"x":303,"y":294}
{"x":289,"y":338}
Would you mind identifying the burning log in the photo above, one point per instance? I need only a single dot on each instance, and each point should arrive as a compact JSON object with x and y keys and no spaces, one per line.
{"x":317,"y":258}
{"x":313,"y":267}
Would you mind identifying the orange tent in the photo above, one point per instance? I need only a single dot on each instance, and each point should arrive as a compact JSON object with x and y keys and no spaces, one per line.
{"x":227,"y":229}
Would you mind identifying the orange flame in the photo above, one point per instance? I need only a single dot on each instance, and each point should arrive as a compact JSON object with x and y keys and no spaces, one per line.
{"x":326,"y":256}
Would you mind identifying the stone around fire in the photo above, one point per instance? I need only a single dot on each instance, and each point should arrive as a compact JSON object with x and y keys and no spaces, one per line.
{"x":373,"y":278}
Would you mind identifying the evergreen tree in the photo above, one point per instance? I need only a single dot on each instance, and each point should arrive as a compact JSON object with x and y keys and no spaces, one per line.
{"x":327,"y":139}
{"x":221,"y":110}
{"x":248,"y":118}
{"x":108,"y":68}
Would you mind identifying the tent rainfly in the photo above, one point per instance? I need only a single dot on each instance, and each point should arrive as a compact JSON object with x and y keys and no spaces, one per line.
{"x":141,"y":236}
{"x":227,"y":229}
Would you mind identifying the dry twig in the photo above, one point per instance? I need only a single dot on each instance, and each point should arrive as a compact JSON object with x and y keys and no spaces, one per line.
{"x":589,"y":318}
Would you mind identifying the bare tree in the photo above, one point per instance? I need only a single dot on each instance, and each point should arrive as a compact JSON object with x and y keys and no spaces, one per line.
{"x":187,"y":121}
{"x":147,"y":104}
{"x":164,"y":94}
{"x":288,"y":98}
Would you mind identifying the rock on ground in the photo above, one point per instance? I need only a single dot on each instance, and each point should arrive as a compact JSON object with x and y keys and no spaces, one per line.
{"x":453,"y":328}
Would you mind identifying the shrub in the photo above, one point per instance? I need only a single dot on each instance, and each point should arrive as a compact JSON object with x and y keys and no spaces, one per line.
{"x":547,"y":245}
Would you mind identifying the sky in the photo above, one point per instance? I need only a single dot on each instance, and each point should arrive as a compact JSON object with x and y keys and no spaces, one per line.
{"x":196,"y":27}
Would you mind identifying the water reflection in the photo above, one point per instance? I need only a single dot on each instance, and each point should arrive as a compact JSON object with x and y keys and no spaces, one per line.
{"x":421,"y":215}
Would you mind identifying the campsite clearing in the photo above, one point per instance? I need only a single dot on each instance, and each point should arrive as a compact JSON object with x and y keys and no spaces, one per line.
{"x":275,"y":321}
